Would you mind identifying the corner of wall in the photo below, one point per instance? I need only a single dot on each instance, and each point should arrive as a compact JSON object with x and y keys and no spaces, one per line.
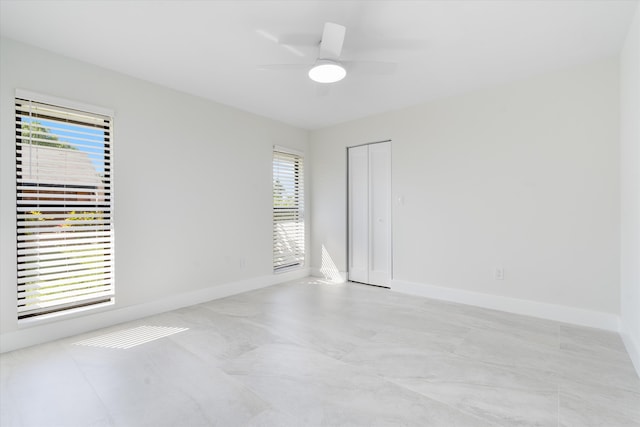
{"x":630,"y":190}
{"x":330,"y":275}
{"x":632,"y":345}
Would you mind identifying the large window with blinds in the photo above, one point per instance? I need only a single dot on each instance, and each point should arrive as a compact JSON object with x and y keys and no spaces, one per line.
{"x":288,"y":209}
{"x":64,"y":208}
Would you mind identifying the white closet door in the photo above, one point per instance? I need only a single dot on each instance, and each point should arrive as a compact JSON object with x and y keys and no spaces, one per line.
{"x":380,"y":213}
{"x":359,"y":214}
{"x":370,"y":214}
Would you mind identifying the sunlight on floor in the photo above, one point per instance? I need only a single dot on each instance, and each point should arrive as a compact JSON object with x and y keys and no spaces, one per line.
{"x":328,"y":268}
{"x":130,"y":337}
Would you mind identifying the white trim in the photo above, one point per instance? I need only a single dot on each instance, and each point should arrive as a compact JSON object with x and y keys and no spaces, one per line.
{"x":560,"y":313}
{"x":368,"y":143}
{"x":42,"y":333}
{"x":62,"y":102}
{"x":632,"y":345}
{"x":281,"y":149}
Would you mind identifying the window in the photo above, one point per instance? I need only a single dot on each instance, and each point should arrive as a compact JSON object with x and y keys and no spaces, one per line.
{"x":288,"y":209}
{"x":64,"y":207}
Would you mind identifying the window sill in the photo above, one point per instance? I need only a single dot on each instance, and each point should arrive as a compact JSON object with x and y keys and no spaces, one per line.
{"x":64,"y":315}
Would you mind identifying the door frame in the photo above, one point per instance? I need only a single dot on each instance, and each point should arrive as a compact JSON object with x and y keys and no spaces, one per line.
{"x":390,"y":213}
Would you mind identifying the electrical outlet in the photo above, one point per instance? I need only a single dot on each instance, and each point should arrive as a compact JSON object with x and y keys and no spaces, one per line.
{"x":499,"y":273}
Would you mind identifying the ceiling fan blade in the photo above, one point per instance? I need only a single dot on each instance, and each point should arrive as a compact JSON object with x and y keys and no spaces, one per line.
{"x":371,"y":67}
{"x":299,"y":39}
{"x":284,"y":67}
{"x":332,"y":41}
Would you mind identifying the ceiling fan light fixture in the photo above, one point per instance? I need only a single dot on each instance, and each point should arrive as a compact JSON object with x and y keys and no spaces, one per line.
{"x":326,"y":71}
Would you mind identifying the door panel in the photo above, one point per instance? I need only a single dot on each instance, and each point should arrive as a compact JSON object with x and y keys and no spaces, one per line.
{"x":358,"y":214}
{"x":369,"y":194}
{"x":379,"y":213}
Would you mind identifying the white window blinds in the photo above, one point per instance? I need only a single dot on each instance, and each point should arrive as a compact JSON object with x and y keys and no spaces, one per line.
{"x":64,"y":208}
{"x":288,"y":210}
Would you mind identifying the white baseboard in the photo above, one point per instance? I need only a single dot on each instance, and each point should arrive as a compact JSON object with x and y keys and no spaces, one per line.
{"x":561,"y":313}
{"x":633,"y":346}
{"x":38,"y":333}
{"x":332,"y":276}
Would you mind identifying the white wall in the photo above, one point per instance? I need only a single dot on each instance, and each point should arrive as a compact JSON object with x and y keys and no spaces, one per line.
{"x":524,"y":176}
{"x":192,"y":190}
{"x":630,"y":189}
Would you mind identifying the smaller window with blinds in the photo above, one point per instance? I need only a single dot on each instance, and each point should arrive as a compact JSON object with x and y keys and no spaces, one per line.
{"x":64,"y":208}
{"x":288,"y":210}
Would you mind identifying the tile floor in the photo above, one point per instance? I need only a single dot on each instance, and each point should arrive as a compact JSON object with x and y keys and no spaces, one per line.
{"x":315,"y":354}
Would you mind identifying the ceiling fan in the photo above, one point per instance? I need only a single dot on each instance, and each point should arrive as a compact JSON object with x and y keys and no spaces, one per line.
{"x":329,"y":67}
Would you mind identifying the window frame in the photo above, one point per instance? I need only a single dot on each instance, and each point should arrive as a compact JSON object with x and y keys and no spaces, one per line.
{"x":67,"y":202}
{"x":295,"y":259}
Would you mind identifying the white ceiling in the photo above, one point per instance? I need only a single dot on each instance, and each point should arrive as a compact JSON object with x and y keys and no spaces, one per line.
{"x":212,"y":48}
